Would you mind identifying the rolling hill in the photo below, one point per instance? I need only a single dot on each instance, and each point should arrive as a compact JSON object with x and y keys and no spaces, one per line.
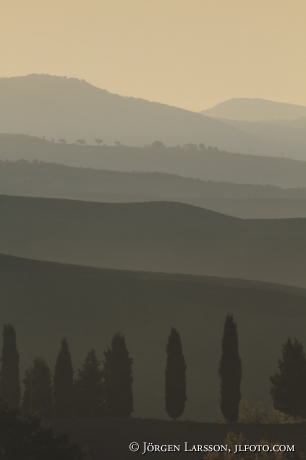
{"x":155,"y":236}
{"x":239,"y":200}
{"x":47,"y":301}
{"x":289,"y":135}
{"x":209,"y":164}
{"x":255,"y":110}
{"x":59,"y":107}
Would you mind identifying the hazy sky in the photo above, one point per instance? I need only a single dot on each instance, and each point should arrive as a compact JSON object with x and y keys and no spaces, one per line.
{"x":188,"y":53}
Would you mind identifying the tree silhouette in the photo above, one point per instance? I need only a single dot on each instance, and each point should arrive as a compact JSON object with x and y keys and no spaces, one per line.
{"x":81,"y":141}
{"x":62,"y":141}
{"x":98,"y":141}
{"x":63,"y":383}
{"x":37,"y":396}
{"x":175,"y":376}
{"x":158,"y":145}
{"x":88,"y":388}
{"x":288,"y":389}
{"x":28,"y":439}
{"x":230,"y":371}
{"x":9,"y":374}
{"x":118,"y":379}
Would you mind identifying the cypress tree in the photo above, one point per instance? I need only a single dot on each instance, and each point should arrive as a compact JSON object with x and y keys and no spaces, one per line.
{"x":88,"y":388}
{"x":118,"y":379}
{"x":230,"y":371}
{"x":37,"y":396}
{"x":288,"y":389}
{"x":175,"y":376}
{"x":63,"y":383}
{"x":9,"y":374}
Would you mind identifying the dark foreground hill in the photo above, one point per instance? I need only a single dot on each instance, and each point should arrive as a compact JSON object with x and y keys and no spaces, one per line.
{"x":111,"y":437}
{"x":46,"y":302}
{"x":155,"y":236}
{"x":208,"y":164}
{"x":47,"y":180}
{"x":59,"y":107}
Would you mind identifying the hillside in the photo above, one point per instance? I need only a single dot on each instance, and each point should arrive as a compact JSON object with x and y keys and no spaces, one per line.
{"x":255,"y":110}
{"x":155,"y":236}
{"x":46,"y":302}
{"x":59,"y":107}
{"x":289,"y":135}
{"x":209,"y":164}
{"x":239,"y":200}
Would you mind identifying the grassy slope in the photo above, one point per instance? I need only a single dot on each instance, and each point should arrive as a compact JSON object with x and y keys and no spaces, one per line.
{"x":240,"y":200}
{"x":162,"y":236}
{"x":46,"y":302}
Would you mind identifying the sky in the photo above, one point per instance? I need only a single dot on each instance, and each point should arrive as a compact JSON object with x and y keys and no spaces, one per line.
{"x":192,"y":54}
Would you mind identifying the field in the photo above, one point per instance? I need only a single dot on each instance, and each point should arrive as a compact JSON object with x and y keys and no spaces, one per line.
{"x":89,"y":305}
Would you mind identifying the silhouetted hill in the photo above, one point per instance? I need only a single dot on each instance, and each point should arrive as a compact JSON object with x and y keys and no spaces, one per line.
{"x":239,"y":200}
{"x":208,"y":164}
{"x":46,"y":302}
{"x":59,"y":107}
{"x":255,"y":110}
{"x":156,"y":236}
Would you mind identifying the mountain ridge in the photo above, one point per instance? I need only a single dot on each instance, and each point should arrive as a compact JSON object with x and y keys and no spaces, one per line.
{"x":42,"y":105}
{"x":208,"y":164}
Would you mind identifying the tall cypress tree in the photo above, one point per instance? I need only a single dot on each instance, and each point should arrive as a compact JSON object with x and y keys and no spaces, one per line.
{"x":175,"y":376}
{"x":88,"y":388}
{"x":230,"y":371}
{"x":37,"y":396}
{"x":63,"y":383}
{"x":288,"y":389}
{"x":9,"y":374}
{"x":118,"y":379}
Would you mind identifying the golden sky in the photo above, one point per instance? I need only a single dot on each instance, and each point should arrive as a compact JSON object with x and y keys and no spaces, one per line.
{"x":188,"y":53}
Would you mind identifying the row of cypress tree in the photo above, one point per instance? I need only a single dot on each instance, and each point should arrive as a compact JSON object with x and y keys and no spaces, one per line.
{"x":230,"y":372}
{"x":288,"y":389}
{"x":103,"y":392}
{"x":94,"y":392}
{"x":108,"y":391}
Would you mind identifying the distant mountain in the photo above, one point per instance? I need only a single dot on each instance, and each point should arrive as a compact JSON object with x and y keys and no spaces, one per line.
{"x":155,"y":236}
{"x":46,"y":302}
{"x":59,"y":107}
{"x":255,"y":110}
{"x":209,"y":164}
{"x":240,"y":200}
